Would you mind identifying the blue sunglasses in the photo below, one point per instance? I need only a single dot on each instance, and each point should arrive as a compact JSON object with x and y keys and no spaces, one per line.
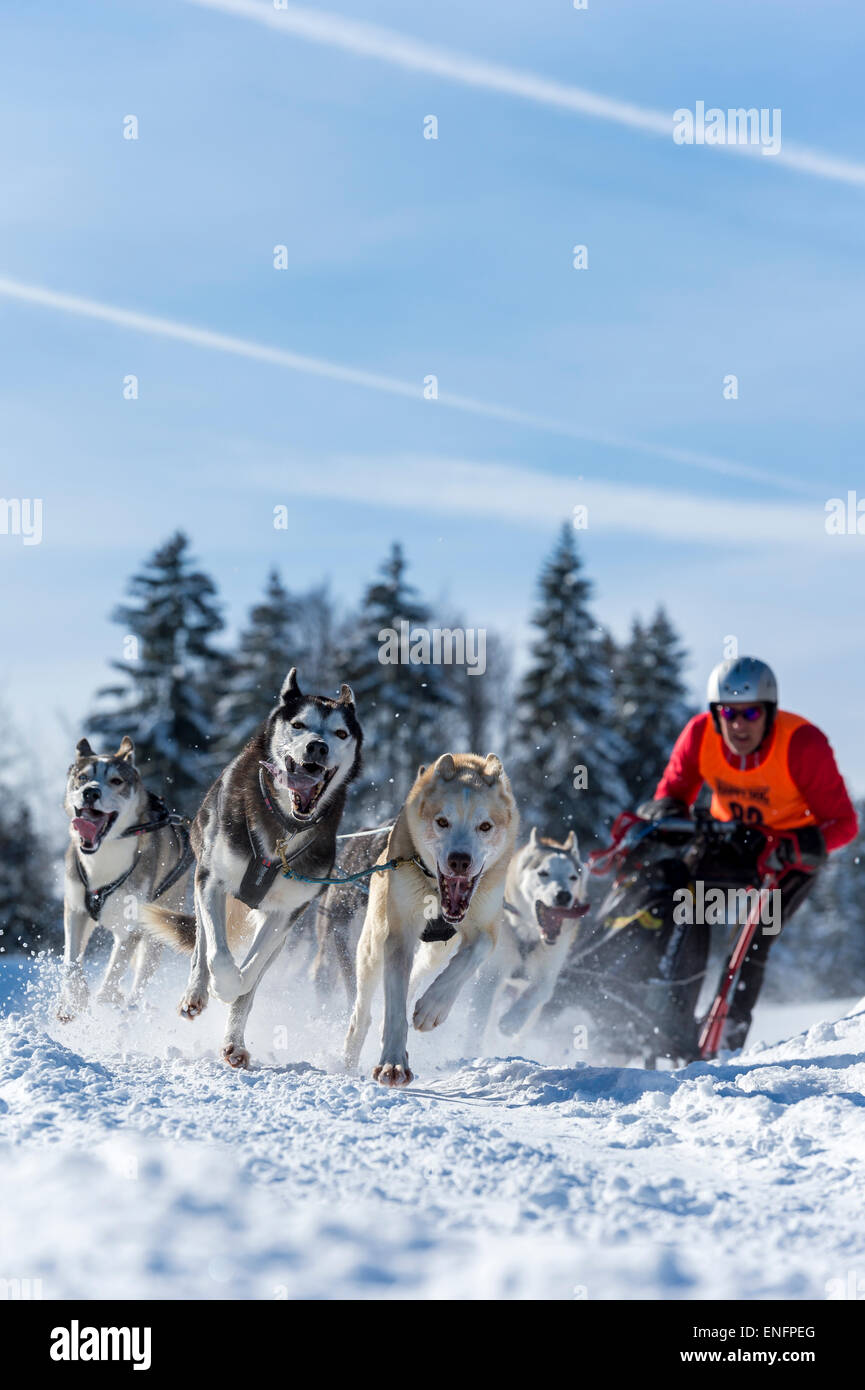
{"x":749,"y":712}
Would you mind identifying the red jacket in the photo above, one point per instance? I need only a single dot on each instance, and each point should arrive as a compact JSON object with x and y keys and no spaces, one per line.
{"x":811,"y":763}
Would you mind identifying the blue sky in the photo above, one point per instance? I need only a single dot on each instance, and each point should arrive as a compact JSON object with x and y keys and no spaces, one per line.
{"x":408,"y":257}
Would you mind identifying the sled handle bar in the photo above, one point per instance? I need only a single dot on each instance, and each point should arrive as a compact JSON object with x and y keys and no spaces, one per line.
{"x":600,"y":860}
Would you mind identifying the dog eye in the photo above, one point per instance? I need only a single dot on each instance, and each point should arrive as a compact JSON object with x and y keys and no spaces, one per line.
{"x":485,"y":825}
{"x":440,"y":820}
{"x":542,"y":873}
{"x":116,"y":781}
{"x":341,"y":733}
{"x":296,"y":724}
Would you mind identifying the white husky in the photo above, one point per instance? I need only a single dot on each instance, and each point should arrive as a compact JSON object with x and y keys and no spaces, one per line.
{"x":545,"y":896}
{"x":454,"y":837}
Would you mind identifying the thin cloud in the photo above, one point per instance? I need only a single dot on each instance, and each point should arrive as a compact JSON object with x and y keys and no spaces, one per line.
{"x":466,"y":490}
{"x":372,"y":41}
{"x":354,"y":376}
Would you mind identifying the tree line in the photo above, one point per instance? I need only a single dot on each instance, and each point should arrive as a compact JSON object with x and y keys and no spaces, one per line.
{"x":584,"y":730}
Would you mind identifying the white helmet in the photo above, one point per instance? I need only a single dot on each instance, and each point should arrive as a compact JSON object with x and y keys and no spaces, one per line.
{"x":744,"y":678}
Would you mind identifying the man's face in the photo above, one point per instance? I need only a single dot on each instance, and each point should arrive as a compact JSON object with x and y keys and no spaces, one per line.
{"x":740,"y":734}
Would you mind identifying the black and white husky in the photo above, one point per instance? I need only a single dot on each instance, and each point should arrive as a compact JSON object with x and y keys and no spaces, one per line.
{"x":288,"y":785}
{"x":125,"y":851}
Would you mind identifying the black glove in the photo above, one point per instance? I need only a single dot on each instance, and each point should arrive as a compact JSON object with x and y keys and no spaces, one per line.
{"x":662,"y":808}
{"x":812,"y":848}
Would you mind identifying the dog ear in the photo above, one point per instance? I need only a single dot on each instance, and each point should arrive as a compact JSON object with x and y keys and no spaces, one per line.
{"x":290,"y":685}
{"x":126,"y":749}
{"x":83,"y":749}
{"x":533,"y":838}
{"x":445,"y":767}
{"x":571,"y":842}
{"x":346,"y":695}
{"x":492,"y":769}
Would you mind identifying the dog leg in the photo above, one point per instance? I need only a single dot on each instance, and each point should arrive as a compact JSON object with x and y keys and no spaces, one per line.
{"x":77,"y":930}
{"x":234,"y":1050}
{"x":369,"y":968}
{"x":341,"y":937}
{"x":225,"y":979}
{"x":393,"y":1069}
{"x":437,"y":1001}
{"x":122,"y":950}
{"x":269,"y":936}
{"x":147,"y":956}
{"x":194,"y":1000}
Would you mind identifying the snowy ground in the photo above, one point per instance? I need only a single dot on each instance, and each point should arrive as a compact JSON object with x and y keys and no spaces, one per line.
{"x":137,"y":1166}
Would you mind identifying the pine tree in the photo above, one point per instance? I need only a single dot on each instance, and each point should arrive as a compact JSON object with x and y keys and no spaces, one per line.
{"x":282,"y":631}
{"x":172,"y":676}
{"x":821,"y":953}
{"x":400,"y":704}
{"x":479,"y":722}
{"x":651,"y":704}
{"x":568,"y":750}
{"x":30,"y":917}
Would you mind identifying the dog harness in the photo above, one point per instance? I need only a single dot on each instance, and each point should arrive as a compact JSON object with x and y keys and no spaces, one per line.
{"x":162,"y":818}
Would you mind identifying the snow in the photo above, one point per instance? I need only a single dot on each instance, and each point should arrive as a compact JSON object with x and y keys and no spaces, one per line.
{"x":137,"y":1165}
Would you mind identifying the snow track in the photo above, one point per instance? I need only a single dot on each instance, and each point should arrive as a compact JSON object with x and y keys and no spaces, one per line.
{"x":137,"y":1169}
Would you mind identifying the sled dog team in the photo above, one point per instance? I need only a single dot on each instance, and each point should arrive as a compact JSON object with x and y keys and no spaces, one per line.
{"x":264,"y":843}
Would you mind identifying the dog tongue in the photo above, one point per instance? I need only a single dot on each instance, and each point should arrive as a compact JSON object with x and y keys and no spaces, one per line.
{"x":86,"y":828}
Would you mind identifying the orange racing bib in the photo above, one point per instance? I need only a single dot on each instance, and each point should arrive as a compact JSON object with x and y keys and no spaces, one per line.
{"x":764,"y":795}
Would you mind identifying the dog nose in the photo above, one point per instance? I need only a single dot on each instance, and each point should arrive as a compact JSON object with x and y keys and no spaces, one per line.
{"x":316,"y":750}
{"x":563,"y":897}
{"x":459,"y":863}
{"x":91,"y":795}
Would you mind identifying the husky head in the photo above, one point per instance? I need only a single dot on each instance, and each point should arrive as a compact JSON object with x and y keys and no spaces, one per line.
{"x":103,"y":794}
{"x":313,"y":746}
{"x":462,"y":817}
{"x":549,"y":879}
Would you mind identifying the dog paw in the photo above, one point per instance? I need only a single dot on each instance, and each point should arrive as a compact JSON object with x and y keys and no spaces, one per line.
{"x":429,"y":1011}
{"x":192,"y":1004}
{"x":111,"y":997}
{"x":512,"y":1021}
{"x":236,"y":1057}
{"x":392,"y":1074}
{"x":74,"y":1000}
{"x":226,"y":980}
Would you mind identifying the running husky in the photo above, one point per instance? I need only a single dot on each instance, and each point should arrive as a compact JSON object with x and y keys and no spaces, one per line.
{"x":120,"y":836}
{"x":453,"y":838}
{"x":288,"y":784}
{"x":545,"y":896}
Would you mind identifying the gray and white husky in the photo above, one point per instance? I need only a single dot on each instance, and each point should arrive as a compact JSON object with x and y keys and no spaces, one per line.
{"x":287,"y":785}
{"x":545,"y":897}
{"x":125,"y":850}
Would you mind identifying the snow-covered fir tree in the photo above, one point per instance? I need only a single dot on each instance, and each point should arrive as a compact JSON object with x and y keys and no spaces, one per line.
{"x":30,"y":917}
{"x":821,"y":952}
{"x":283,"y":630}
{"x":400,"y":703}
{"x":479,"y":717}
{"x":171,"y":676}
{"x":567,"y":751}
{"x":651,"y":704}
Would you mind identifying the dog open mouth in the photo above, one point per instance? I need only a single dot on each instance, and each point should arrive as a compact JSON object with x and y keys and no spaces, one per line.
{"x":455,"y":892}
{"x":92,"y":826}
{"x":550,"y":919}
{"x":306,"y":782}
